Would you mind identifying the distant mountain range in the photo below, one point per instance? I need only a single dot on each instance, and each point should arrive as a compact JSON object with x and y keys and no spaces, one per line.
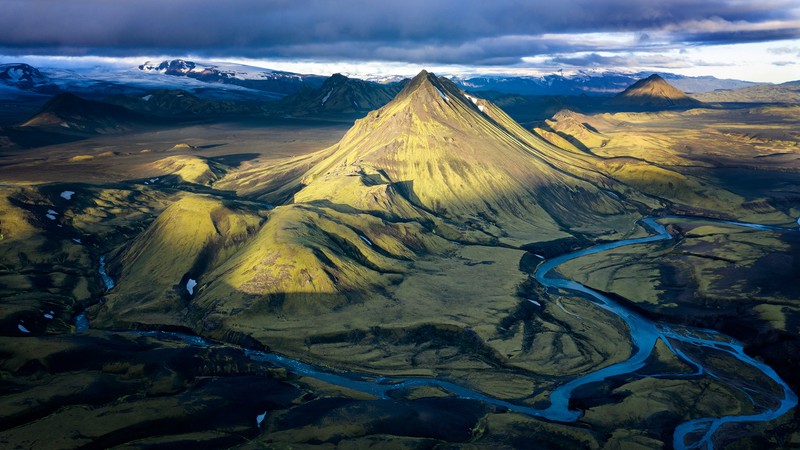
{"x":190,"y":89}
{"x":240,"y":82}
{"x":760,"y":93}
{"x":240,"y":75}
{"x":603,"y":83}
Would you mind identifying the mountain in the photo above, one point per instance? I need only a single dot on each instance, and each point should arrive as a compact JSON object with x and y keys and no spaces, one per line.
{"x":763,"y":93}
{"x":436,"y":151}
{"x":245,"y":76}
{"x":73,"y":114}
{"x":591,"y":83}
{"x":433,"y":168}
{"x":458,"y":157}
{"x":21,"y":76}
{"x":653,"y":92}
{"x":339,"y":94}
{"x":179,"y":103}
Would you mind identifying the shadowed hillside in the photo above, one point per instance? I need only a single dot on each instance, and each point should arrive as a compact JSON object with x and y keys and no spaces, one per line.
{"x":338,"y":94}
{"x":72,"y":113}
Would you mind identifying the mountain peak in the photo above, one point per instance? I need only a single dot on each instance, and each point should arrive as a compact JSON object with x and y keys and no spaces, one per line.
{"x":437,"y":150}
{"x":654,"y":91}
{"x":654,"y":78}
{"x":21,"y":75}
{"x":429,"y":83}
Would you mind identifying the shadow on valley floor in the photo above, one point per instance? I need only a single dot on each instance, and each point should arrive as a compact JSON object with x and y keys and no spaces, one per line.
{"x":164,"y":392}
{"x":234,"y":160}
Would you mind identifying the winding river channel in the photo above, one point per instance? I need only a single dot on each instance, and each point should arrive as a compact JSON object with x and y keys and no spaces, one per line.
{"x":644,"y":334}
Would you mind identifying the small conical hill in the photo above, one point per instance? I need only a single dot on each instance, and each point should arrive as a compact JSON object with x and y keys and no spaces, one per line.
{"x":654,"y":91}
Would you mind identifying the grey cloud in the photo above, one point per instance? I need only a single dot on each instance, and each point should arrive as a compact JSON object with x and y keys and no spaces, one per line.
{"x":595,"y":60}
{"x":741,"y":36}
{"x":424,"y":31}
{"x":784,"y":50}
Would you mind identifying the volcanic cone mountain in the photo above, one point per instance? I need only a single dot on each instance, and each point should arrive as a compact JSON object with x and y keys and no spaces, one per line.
{"x":653,"y":92}
{"x":460,"y":158}
{"x":411,"y":181}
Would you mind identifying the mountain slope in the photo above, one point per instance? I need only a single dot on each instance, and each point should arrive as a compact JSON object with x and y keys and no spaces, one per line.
{"x":339,"y":94}
{"x":463,"y":159}
{"x":653,"y":92}
{"x":179,"y":103}
{"x":763,"y":93}
{"x":434,"y":182}
{"x":70,"y":113}
{"x":22,"y":76}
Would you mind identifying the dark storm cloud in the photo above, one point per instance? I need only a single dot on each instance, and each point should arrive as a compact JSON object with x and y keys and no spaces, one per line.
{"x":446,"y":31}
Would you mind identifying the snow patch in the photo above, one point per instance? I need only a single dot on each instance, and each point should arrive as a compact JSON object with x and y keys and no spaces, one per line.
{"x":441,"y":94}
{"x":147,"y":97}
{"x":480,"y":108}
{"x":190,"y":286}
{"x":48,"y":316}
{"x":260,"y":418}
{"x":67,"y":195}
{"x":22,"y":328}
{"x":364,"y":238}
{"x":76,"y":240}
{"x":534,"y":302}
{"x":538,"y":256}
{"x":15,"y":74}
{"x":327,"y":96}
{"x":50,"y":216}
{"x":53,"y":212}
{"x":64,"y":124}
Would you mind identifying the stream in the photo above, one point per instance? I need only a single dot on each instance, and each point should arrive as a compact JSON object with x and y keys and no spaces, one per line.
{"x":644,"y":334}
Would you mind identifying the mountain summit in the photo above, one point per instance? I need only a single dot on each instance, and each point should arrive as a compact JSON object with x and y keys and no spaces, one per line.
{"x":437,"y":149}
{"x":654,"y":92}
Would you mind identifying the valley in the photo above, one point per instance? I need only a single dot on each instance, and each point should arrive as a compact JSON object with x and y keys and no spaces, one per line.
{"x":401,"y":261}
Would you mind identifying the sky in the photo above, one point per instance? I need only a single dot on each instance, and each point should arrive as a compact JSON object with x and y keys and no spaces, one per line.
{"x":755,"y":40}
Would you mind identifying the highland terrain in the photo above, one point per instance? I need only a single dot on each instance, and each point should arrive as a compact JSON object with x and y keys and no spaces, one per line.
{"x":354,"y":265}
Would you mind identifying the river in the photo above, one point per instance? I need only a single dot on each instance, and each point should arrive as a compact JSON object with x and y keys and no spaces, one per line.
{"x":644,"y":334}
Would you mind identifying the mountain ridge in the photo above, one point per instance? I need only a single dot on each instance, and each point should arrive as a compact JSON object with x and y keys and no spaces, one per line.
{"x":338,"y":94}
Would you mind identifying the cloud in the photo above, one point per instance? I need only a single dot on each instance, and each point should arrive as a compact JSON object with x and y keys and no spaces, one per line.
{"x":622,"y":60}
{"x":784,"y":50}
{"x":420,"y":31}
